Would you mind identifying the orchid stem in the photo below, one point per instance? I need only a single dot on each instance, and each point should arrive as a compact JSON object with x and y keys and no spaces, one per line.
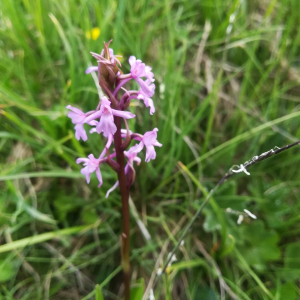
{"x":125,"y":238}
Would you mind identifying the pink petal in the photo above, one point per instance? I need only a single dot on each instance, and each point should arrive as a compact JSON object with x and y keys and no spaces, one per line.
{"x":132,"y":60}
{"x":149,"y":74}
{"x":93,"y":116}
{"x":112,"y":189}
{"x":93,"y":123}
{"x":91,"y":157}
{"x":93,"y":130}
{"x":108,"y":144}
{"x":105,"y":101}
{"x":135,"y":149}
{"x":75,"y":117}
{"x":148,"y":103}
{"x":137,"y":160}
{"x":137,"y":69}
{"x":124,"y":133}
{"x":151,"y":105}
{"x":150,"y":137}
{"x":150,"y":153}
{"x":76,"y":110}
{"x":123,"y":114}
{"x":99,"y":176}
{"x":91,"y":69}
{"x":87,"y":174}
{"x":147,"y":90}
{"x":80,"y":132}
{"x":81,"y":159}
{"x":106,"y":125}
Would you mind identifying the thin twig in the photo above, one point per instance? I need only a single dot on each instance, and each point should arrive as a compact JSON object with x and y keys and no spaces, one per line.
{"x":230,"y":173}
{"x":223,"y":285}
{"x":207,"y":29}
{"x":160,"y":258}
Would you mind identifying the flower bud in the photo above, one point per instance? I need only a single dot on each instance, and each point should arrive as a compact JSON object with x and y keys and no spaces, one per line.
{"x":107,"y":71}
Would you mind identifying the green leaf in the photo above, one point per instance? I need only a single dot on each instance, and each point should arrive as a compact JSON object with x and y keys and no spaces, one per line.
{"x":41,"y":238}
{"x":287,"y":291}
{"x":137,"y":290}
{"x":58,"y":173}
{"x":89,"y":216}
{"x":211,"y":222}
{"x":34,"y":213}
{"x":261,"y":245}
{"x":7,"y":270}
{"x":205,"y":293}
{"x":292,"y":258}
{"x":292,"y":261}
{"x":99,"y":295}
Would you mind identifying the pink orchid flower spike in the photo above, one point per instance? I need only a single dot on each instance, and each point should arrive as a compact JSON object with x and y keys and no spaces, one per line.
{"x":107,"y":118}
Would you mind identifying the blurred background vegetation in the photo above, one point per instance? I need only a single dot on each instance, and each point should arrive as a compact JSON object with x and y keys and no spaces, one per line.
{"x":227,"y":89}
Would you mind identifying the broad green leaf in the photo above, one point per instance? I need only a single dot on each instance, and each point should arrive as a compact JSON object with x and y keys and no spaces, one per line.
{"x":287,"y":292}
{"x":292,"y":261}
{"x":137,"y":290}
{"x":7,"y":270}
{"x":89,"y":216}
{"x":292,"y":256}
{"x":211,"y":222}
{"x":205,"y":293}
{"x":261,"y":244}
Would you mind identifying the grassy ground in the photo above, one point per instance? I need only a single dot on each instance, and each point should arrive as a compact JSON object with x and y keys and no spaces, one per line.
{"x":228,"y":84}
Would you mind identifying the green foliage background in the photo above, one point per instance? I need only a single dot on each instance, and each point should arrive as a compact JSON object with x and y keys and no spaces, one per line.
{"x":221,"y":99}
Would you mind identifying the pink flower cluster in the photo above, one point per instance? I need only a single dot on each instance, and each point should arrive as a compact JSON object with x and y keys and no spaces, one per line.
{"x":103,"y":118}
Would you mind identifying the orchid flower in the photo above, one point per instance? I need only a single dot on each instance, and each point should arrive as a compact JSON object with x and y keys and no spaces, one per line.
{"x":91,"y":165}
{"x":148,"y":140}
{"x":106,"y":115}
{"x":146,"y":97}
{"x":78,"y":117}
{"x":138,"y":70}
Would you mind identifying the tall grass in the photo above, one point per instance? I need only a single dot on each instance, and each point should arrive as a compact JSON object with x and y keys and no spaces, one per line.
{"x":221,"y":99}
